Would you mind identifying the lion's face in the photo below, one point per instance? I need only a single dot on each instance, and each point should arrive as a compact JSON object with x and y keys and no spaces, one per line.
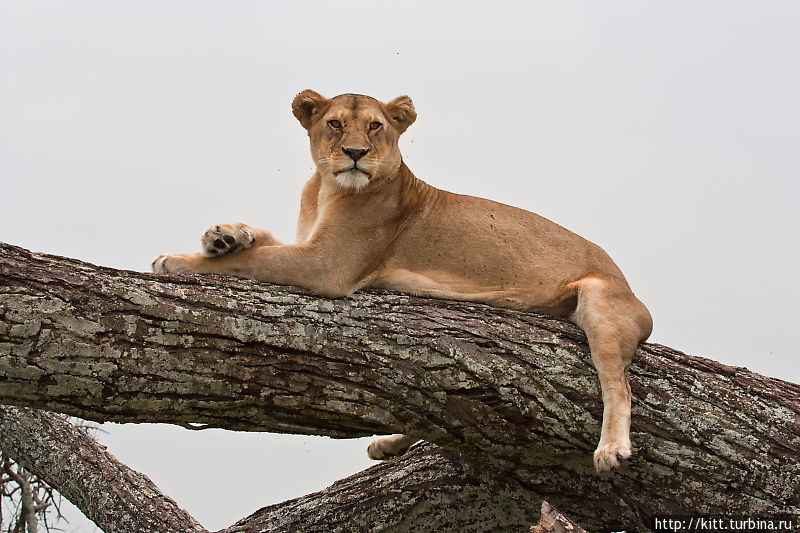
{"x":354,"y":137}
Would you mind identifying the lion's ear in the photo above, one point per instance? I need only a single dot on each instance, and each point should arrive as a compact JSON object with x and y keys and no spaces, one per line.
{"x":308,"y":106}
{"x":401,"y":111}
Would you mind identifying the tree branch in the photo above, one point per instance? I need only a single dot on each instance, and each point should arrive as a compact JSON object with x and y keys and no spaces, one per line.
{"x":429,"y":489}
{"x":515,"y":389}
{"x":115,"y":497}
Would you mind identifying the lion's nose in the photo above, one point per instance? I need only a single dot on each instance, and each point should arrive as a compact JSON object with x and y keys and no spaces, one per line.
{"x":355,"y":153}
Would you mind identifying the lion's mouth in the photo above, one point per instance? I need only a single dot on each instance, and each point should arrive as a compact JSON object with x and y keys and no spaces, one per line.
{"x":354,"y":168}
{"x":353,"y":178}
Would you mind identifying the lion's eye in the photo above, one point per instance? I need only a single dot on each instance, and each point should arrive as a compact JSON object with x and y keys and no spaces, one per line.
{"x":335,"y":124}
{"x":375,"y":125}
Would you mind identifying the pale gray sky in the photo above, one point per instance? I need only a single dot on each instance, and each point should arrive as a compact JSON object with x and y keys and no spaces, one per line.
{"x":666,"y":132}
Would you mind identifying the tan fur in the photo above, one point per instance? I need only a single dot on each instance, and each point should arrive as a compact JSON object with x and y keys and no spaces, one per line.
{"x":369,"y":222}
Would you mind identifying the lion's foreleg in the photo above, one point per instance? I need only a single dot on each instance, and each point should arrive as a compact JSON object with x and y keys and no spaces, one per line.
{"x":301,"y":265}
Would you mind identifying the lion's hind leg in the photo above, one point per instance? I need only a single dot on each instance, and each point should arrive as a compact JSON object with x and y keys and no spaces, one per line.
{"x":391,"y":446}
{"x":222,"y":239}
{"x":614,"y":321}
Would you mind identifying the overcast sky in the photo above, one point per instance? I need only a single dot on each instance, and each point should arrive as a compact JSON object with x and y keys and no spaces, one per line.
{"x":666,"y":132}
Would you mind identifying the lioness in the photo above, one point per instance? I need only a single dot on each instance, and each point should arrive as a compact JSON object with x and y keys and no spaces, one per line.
{"x":367,"y":221}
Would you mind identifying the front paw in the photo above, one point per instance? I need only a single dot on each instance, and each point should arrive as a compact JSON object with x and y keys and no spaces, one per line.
{"x":386,"y":448}
{"x":170,"y":264}
{"x":610,"y":455}
{"x":226,"y":238}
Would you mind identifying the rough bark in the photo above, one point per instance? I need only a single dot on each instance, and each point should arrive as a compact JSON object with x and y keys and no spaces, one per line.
{"x":115,"y":497}
{"x":516,"y":390}
{"x":430,"y":489}
{"x":427,"y":490}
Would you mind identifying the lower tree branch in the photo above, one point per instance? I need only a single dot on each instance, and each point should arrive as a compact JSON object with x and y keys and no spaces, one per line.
{"x":515,"y":390}
{"x":27,"y":514}
{"x":116,"y":498}
{"x":429,"y":489}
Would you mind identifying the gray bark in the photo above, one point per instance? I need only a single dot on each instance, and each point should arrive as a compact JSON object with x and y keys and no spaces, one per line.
{"x":116,"y":498}
{"x":515,"y":390}
{"x":428,"y":489}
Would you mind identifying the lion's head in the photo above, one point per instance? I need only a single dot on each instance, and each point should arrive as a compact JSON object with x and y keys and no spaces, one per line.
{"x":354,"y":137}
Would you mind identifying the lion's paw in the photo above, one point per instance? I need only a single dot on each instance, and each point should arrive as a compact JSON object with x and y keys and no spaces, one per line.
{"x":375,"y":451}
{"x":226,"y":238}
{"x":610,"y":455}
{"x":388,"y":447}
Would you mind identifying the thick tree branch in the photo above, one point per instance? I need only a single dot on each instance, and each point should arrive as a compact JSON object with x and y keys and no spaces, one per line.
{"x":515,"y":389}
{"x":429,"y":489}
{"x":115,"y":497}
